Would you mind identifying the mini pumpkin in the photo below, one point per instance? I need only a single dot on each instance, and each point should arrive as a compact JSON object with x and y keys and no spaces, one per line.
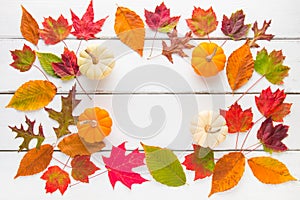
{"x":94,"y":124}
{"x":96,"y":62}
{"x":209,"y":129}
{"x":208,"y":59}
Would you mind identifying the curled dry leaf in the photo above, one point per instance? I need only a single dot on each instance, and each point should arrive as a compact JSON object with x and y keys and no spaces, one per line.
{"x":23,"y":59}
{"x":260,"y":34}
{"x":29,"y":27}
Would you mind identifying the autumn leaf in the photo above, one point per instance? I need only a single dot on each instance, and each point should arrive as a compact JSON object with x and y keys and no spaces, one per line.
{"x":33,"y":95}
{"x":29,"y":27}
{"x":85,"y":28}
{"x":269,"y":170}
{"x":35,"y":161}
{"x":46,"y":60}
{"x":238,"y":120}
{"x":228,"y":172}
{"x":23,"y":59}
{"x":260,"y":34}
{"x":271,"y":66}
{"x":177,"y":45}
{"x":56,"y":179}
{"x":203,"y":21}
{"x":28,"y":134}
{"x":65,"y":117}
{"x":82,"y":167}
{"x":55,"y":30}
{"x":271,"y":104}
{"x":120,"y":165}
{"x":164,"y":166}
{"x":240,"y":67}
{"x":130,"y":29}
{"x":68,"y":68}
{"x":234,"y":26}
{"x":160,"y":20}
{"x":201,"y":161}
{"x":271,"y":137}
{"x":73,"y":145}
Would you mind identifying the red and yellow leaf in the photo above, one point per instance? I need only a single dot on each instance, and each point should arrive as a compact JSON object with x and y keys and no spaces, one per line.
{"x":82,"y":167}
{"x":23,"y":59}
{"x":29,"y":27}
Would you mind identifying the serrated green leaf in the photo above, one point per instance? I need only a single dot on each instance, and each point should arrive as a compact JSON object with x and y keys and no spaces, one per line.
{"x":164,"y":166}
{"x":46,"y":60}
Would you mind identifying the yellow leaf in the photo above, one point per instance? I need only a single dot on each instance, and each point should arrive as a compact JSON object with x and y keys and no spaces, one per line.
{"x":228,"y":172}
{"x":35,"y":161}
{"x":29,"y":27}
{"x":130,"y":29}
{"x":33,"y":95}
{"x":269,"y":170}
{"x":240,"y":67}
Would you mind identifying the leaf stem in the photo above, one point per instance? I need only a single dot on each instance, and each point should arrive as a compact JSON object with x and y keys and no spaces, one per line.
{"x":65,"y":44}
{"x":78,"y":47}
{"x":253,"y":145}
{"x":253,"y":149}
{"x":150,"y":58}
{"x":237,"y":139}
{"x":250,"y":131}
{"x":223,"y":43}
{"x":153,"y":43}
{"x":37,"y":67}
{"x":66,"y":164}
{"x":89,"y":178}
{"x":83,"y":89}
{"x":61,"y":162}
{"x":208,"y":38}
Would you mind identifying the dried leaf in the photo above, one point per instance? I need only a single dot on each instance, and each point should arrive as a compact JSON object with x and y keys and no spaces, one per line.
{"x":57,"y":179}
{"x":269,"y":170}
{"x":65,"y":117}
{"x":23,"y":59}
{"x":271,"y":104}
{"x":82,"y":167}
{"x":46,"y":60}
{"x":260,"y":34}
{"x":177,"y":45}
{"x":35,"y":161}
{"x":33,"y":95}
{"x":86,"y":28}
{"x":130,"y":29}
{"x":270,"y":66}
{"x":234,"y":27}
{"x":202,"y":22}
{"x":29,"y":27}
{"x":73,"y":145}
{"x":201,"y":161}
{"x":28,"y":134}
{"x":228,"y":172}
{"x":120,"y":165}
{"x":240,"y":67}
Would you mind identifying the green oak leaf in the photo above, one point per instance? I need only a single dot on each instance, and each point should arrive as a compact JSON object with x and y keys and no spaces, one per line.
{"x":46,"y":60}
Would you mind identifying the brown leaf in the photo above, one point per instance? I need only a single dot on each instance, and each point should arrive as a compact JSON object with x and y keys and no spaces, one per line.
{"x":228,"y":172}
{"x":29,"y":27}
{"x":240,"y":67}
{"x":35,"y":161}
{"x":73,"y":145}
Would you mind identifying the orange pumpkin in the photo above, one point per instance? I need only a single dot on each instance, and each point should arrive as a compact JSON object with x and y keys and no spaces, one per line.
{"x":208,"y":59}
{"x":94,"y":124}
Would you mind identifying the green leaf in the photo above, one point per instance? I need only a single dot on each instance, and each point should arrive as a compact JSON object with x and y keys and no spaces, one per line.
{"x":270,"y":66}
{"x":46,"y":60}
{"x":164,"y":166}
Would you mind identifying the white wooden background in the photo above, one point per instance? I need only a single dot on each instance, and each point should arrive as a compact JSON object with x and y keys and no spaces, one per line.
{"x":285,"y":25}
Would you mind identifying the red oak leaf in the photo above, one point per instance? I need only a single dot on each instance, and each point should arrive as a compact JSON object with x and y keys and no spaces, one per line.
{"x":202,"y":22}
{"x":82,"y":167}
{"x":55,"y":30}
{"x":120,"y":166}
{"x":23,"y":59}
{"x":234,"y":26}
{"x":271,"y":104}
{"x":271,"y":136}
{"x":201,"y":161}
{"x":68,"y":68}
{"x":238,"y":120}
{"x":160,"y":20}
{"x":57,"y":179}
{"x":260,"y":34}
{"x":86,"y":28}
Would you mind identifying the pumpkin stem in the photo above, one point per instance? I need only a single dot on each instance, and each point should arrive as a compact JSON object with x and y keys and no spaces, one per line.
{"x":95,"y":60}
{"x":209,"y":129}
{"x":210,"y":57}
{"x":93,"y":123}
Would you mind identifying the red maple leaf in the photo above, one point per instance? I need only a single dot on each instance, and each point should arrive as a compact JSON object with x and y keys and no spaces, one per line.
{"x":23,"y":59}
{"x":55,"y":30}
{"x":68,"y":68}
{"x":238,"y":120}
{"x":86,"y":28}
{"x":57,"y":179}
{"x":271,"y":136}
{"x":160,"y":20}
{"x":82,"y":167}
{"x":201,"y":161}
{"x":271,"y":104}
{"x":120,"y":166}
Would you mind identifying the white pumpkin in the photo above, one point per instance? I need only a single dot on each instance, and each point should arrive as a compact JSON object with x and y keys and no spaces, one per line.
{"x":96,"y":62}
{"x":209,"y":129}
